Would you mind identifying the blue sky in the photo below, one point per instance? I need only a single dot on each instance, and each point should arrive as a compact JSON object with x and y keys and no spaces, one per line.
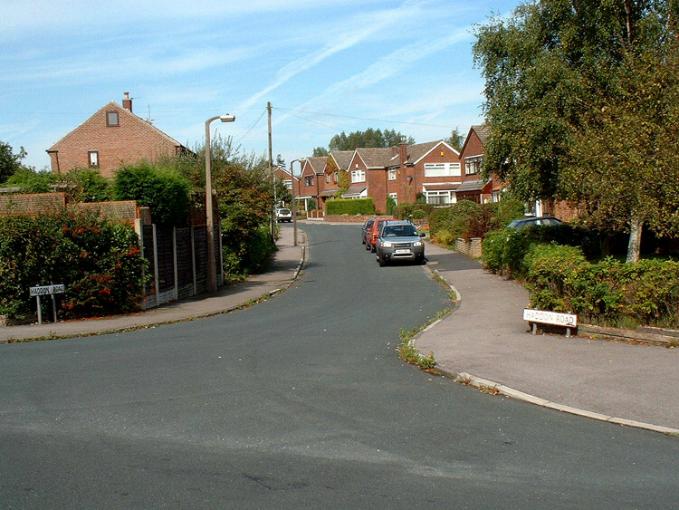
{"x":326,"y":66}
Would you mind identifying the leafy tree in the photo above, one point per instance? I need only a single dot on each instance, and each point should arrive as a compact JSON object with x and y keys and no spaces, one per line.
{"x":165,"y":192}
{"x":10,"y":162}
{"x":368,"y":138}
{"x":456,"y":139}
{"x":564,"y":77}
{"x":31,"y":181}
{"x":319,"y":152}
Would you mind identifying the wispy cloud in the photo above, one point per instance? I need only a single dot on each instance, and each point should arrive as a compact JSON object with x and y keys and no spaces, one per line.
{"x":386,"y":67}
{"x":367,"y":26}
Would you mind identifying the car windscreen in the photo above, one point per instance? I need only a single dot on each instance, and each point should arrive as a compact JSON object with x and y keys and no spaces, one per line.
{"x":399,"y":231}
{"x":283,"y":211}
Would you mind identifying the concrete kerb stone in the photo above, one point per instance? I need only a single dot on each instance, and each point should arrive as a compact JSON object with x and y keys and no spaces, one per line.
{"x":52,"y":335}
{"x":495,"y":388}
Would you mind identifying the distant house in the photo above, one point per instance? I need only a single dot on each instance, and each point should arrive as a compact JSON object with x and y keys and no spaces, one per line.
{"x":474,"y":186}
{"x":432,"y":169}
{"x":112,"y":137}
{"x":313,"y":171}
{"x":289,"y":180}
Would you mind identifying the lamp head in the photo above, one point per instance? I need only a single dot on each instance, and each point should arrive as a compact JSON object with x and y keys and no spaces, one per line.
{"x":227,"y":118}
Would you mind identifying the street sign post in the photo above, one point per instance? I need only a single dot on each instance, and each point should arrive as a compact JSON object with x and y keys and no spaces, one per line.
{"x":47,"y":290}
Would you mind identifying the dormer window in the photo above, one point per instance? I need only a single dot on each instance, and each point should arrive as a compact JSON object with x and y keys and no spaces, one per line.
{"x":112,"y":119}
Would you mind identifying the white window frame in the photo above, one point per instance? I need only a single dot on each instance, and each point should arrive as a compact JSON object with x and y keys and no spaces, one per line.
{"x":287,"y":183}
{"x":393,"y":174}
{"x":448,"y":196}
{"x":442,"y":170}
{"x":93,"y":159}
{"x":394,"y":196}
{"x":358,"y":176}
{"x":472,"y":165}
{"x":308,"y":180}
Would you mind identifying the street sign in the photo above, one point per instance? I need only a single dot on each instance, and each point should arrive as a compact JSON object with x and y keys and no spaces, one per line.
{"x":47,"y":290}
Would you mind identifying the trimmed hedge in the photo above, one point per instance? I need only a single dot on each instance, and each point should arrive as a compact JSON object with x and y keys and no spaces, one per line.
{"x":99,"y":262}
{"x":415,"y":211}
{"x":350,"y":206}
{"x":608,"y":292}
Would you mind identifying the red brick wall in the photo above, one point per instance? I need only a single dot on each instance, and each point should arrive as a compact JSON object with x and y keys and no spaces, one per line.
{"x":133,"y":140}
{"x":312,"y":190}
{"x":377,"y":189}
{"x":31,"y":203}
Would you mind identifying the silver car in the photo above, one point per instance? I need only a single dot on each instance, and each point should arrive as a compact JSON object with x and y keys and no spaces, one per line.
{"x":283,"y":214}
{"x":399,"y":240}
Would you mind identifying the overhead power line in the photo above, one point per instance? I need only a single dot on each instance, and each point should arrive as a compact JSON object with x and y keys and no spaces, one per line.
{"x":291,"y":110}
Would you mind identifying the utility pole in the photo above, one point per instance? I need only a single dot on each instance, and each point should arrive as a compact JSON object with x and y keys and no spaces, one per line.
{"x":273,"y":179}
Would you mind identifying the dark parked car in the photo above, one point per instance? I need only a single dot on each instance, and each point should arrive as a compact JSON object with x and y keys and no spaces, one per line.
{"x":533,"y":221}
{"x":366,"y":228}
{"x":399,"y":240}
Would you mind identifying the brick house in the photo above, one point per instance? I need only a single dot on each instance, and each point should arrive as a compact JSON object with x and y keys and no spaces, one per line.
{"x":311,"y":179}
{"x":474,"y":187}
{"x":368,"y":175}
{"x":112,"y":137}
{"x":431,"y":168}
{"x":290,"y":181}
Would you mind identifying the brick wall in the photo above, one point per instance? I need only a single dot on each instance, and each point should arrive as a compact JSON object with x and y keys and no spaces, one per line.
{"x":31,"y":203}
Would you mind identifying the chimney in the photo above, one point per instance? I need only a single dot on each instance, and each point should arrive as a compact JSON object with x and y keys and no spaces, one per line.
{"x":127,"y":102}
{"x":402,"y":153}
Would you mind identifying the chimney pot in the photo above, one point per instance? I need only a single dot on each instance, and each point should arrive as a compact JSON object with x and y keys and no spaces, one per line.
{"x":127,"y":102}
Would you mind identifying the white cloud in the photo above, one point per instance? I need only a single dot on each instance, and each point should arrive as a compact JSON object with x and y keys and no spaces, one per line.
{"x":386,"y":67}
{"x":367,"y":26}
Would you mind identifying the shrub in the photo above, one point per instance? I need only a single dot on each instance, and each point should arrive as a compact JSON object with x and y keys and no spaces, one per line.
{"x":166,"y":192}
{"x":391,"y":205}
{"x":455,"y":219}
{"x":86,"y":185}
{"x":413,"y":211}
{"x":350,"y":206}
{"x":98,"y":261}
{"x":31,"y":181}
{"x":609,"y":292}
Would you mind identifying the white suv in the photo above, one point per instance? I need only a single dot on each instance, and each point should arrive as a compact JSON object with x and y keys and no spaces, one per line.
{"x":283,"y":214}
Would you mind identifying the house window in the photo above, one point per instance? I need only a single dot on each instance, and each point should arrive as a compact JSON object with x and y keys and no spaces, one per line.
{"x":309,"y":180}
{"x":442,"y":170}
{"x":472,"y":165}
{"x":358,"y":176}
{"x":93,"y":158}
{"x":327,"y":178}
{"x":394,"y":197}
{"x":334,"y":177}
{"x":288,"y":183}
{"x":443,"y":197}
{"x":392,"y":174}
{"x":112,"y":119}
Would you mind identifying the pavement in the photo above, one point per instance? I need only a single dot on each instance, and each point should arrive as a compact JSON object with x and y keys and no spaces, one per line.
{"x":485,"y":342}
{"x":284,"y":269}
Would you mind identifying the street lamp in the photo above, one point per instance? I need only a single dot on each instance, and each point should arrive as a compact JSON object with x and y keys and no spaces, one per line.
{"x":211,"y":264}
{"x":294,"y":201}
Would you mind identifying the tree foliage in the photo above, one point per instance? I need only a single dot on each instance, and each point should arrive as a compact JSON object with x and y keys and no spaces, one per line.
{"x":166,"y":192}
{"x":456,"y":139}
{"x":368,"y":138}
{"x":10,"y":162}
{"x":85,"y":185}
{"x":581,"y":103}
{"x":31,"y":181}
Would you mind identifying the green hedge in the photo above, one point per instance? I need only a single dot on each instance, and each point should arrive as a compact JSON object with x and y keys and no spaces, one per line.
{"x":350,"y":206}
{"x":608,"y":292}
{"x":99,"y":262}
{"x":415,"y":211}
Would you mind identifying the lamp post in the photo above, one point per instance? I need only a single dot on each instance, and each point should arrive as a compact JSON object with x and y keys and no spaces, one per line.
{"x":209,"y":220}
{"x":294,"y":201}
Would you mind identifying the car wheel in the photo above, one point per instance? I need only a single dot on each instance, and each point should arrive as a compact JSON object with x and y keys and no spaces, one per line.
{"x":381,"y":261}
{"x":367,"y":246}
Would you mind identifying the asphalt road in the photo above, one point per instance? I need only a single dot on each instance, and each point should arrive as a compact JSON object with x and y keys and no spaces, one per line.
{"x":300,"y":402}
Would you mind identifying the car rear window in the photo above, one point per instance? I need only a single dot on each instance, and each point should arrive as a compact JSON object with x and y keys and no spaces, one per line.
{"x":284,"y":211}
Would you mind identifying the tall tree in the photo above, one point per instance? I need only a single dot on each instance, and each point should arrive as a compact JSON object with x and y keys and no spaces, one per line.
{"x":320,"y":152}
{"x":368,"y":138}
{"x":575,"y":109}
{"x":9,"y":161}
{"x":456,"y":139}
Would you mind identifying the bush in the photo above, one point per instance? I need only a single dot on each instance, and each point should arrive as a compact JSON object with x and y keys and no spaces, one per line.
{"x":391,"y":205}
{"x":86,"y":185}
{"x":504,"y":251}
{"x":165,"y":192}
{"x":608,"y":292}
{"x":99,"y":262}
{"x":456,"y":219}
{"x":350,"y":206}
{"x":31,"y":181}
{"x":415,"y":211}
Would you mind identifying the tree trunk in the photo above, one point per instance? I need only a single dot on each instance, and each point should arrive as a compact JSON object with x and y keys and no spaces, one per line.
{"x":634,"y":246}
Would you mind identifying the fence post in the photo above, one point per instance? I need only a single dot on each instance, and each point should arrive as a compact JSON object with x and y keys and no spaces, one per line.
{"x":139,"y":229}
{"x":221,"y":254}
{"x":174,"y":262}
{"x":155,"y":264}
{"x":193,"y":261}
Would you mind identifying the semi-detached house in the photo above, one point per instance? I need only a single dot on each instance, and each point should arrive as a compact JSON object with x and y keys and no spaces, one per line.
{"x":111,"y":138}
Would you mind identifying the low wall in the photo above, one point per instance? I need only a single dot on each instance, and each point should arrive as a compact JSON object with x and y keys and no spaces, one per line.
{"x":354,"y":218}
{"x":471,"y":248}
